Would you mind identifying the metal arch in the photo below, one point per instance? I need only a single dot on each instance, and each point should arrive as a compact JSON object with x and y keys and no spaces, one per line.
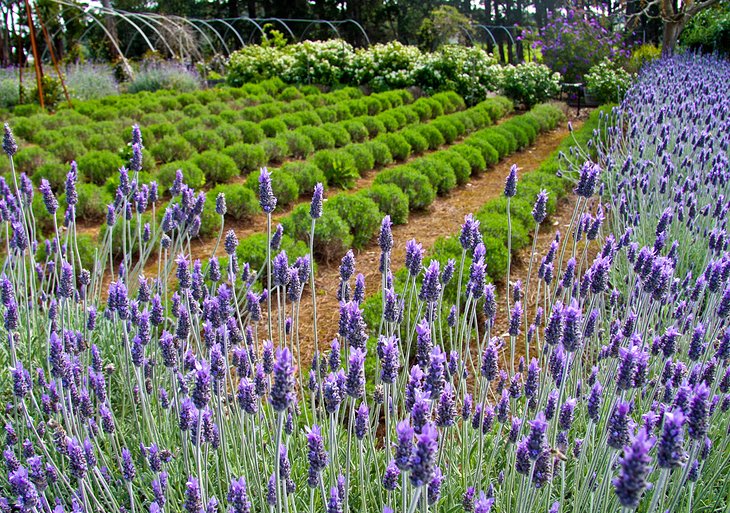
{"x":502,"y":27}
{"x":326,"y":22}
{"x":489,"y":33}
{"x":189,"y":22}
{"x":358,"y":25}
{"x":281,"y":21}
{"x":468,"y":34}
{"x":207,"y":24}
{"x":149,"y":24}
{"x":235,"y":32}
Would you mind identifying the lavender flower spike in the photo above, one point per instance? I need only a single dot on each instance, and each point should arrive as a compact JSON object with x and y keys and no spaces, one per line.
{"x":510,"y":186}
{"x":10,"y":147}
{"x":267,"y":200}
{"x":635,"y":468}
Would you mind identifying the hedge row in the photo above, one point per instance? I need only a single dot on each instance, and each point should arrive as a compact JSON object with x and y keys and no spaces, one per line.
{"x":178,"y":135}
{"x":352,"y":219}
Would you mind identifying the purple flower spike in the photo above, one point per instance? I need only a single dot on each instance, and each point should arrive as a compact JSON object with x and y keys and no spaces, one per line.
{"x":422,"y":462}
{"x":385,"y":238}
{"x":510,"y":185}
{"x":315,"y":209}
{"x":539,"y":211}
{"x":10,"y":147}
{"x":282,"y":390}
{"x":635,"y":468}
{"x":267,"y":200}
{"x":483,"y":504}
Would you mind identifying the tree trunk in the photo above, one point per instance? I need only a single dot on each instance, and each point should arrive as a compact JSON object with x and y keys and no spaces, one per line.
{"x":672,"y":29}
{"x":111,"y":25}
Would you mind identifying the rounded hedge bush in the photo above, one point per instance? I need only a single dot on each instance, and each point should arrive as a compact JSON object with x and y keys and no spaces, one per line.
{"x":415,"y":185}
{"x":390,"y":200}
{"x":364,"y":159}
{"x":418,"y":143}
{"x":229,"y":133}
{"x":472,"y":156}
{"x":331,"y":233}
{"x":217,"y":167}
{"x":172,"y":148}
{"x":251,"y":133}
{"x":204,"y":140}
{"x":338,"y":166}
{"x":373,"y":125}
{"x":67,"y":150}
{"x":360,"y":213}
{"x":159,"y":130}
{"x":380,"y":151}
{"x":357,"y":130}
{"x":92,"y":202}
{"x":248,"y":157}
{"x":299,"y":145}
{"x":495,"y":226}
{"x":512,"y":143}
{"x":273,"y":127}
{"x":252,"y":250}
{"x":321,"y":139}
{"x":439,"y":173}
{"x":275,"y":149}
{"x":54,"y":172}
{"x":432,"y":136}
{"x":497,"y":140}
{"x":338,"y":133}
{"x":97,"y":166}
{"x":241,"y":201}
{"x":306,"y":174}
{"x":397,"y":144}
{"x":447,"y":129}
{"x":284,"y":185}
{"x":489,"y":154}
{"x":192,"y":174}
{"x":30,"y":158}
{"x":458,"y":164}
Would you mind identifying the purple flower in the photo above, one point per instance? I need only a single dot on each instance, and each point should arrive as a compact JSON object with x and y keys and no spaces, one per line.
{"x":431,"y":286}
{"x":483,"y":504}
{"x":539,"y":211}
{"x":355,"y":385}
{"x":49,"y":199}
{"x":635,"y":468}
{"x":510,"y":185}
{"x":515,"y":319}
{"x":315,"y":209}
{"x":390,"y":477}
{"x":567,"y":411}
{"x":282,"y":389}
{"x":316,"y":455}
{"x":128,"y":470}
{"x":404,"y":444}
{"x":422,"y":461}
{"x":414,"y":257}
{"x":10,"y":147}
{"x":267,"y":200}
{"x":536,"y":441}
{"x":385,"y":238}
{"x":670,"y":453}
{"x":618,"y":426}
{"x":193,"y":501}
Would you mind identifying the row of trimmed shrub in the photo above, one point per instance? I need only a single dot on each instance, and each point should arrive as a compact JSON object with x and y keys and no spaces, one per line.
{"x":352,"y":219}
{"x":178,"y":135}
{"x":493,"y":220}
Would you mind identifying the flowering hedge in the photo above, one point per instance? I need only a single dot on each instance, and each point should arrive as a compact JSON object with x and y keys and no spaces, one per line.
{"x":471,"y":72}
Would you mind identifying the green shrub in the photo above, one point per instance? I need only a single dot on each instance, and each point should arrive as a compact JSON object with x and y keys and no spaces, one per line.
{"x":252,"y":249}
{"x":357,"y":130}
{"x":364,"y":160}
{"x":273,"y":127}
{"x":524,"y":126}
{"x":519,"y":133}
{"x":458,"y":164}
{"x":321,"y":139}
{"x":112,"y":183}
{"x":327,"y":114}
{"x":331,"y":233}
{"x":217,"y":107}
{"x":160,"y":130}
{"x":229,"y":133}
{"x":473,"y":156}
{"x":338,"y":166}
{"x":192,"y":174}
{"x":172,"y":148}
{"x":203,"y":140}
{"x":54,"y":172}
{"x":447,"y":129}
{"x":217,"y":167}
{"x":389,"y":121}
{"x":432,"y":136}
{"x":308,"y":117}
{"x":486,"y":150}
{"x":418,"y":143}
{"x":417,"y":186}
{"x":241,"y":201}
{"x":195,"y":110}
{"x":275,"y":149}
{"x":67,"y":149}
{"x":306,"y":174}
{"x":210,"y":220}
{"x":439,"y":173}
{"x":97,"y":166}
{"x":511,"y":140}
{"x":298,"y":144}
{"x":283,"y":184}
{"x":292,"y":121}
{"x":30,"y":158}
{"x":92,"y":202}
{"x":495,"y":258}
{"x":380,"y":151}
{"x":251,"y":133}
{"x":530,"y":83}
{"x":338,"y":133}
{"x":373,"y":125}
{"x":248,"y":157}
{"x":495,"y":226}
{"x":608,"y":83}
{"x":361,"y":215}
{"x":390,"y":200}
{"x":398,"y":146}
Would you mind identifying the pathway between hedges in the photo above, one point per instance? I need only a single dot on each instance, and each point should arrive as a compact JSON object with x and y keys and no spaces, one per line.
{"x":444,"y":217}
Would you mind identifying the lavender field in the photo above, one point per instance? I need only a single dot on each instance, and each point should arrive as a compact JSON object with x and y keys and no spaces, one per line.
{"x":599,"y":382}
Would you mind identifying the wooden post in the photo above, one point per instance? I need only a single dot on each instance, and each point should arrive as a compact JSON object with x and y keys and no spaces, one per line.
{"x":49,"y":43}
{"x":36,"y":57}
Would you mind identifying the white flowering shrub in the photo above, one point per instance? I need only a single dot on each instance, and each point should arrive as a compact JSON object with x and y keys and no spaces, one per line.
{"x":253,"y":63}
{"x":385,"y":66}
{"x":608,"y":83}
{"x":317,"y":62}
{"x":530,"y":83}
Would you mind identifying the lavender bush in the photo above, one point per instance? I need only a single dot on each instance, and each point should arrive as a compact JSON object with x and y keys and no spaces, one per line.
{"x":187,"y":390}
